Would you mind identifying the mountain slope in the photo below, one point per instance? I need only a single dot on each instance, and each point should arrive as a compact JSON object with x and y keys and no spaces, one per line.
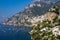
{"x":34,"y":9}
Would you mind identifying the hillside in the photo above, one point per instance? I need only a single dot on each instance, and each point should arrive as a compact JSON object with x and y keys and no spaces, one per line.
{"x":34,"y":9}
{"x":43,"y":16}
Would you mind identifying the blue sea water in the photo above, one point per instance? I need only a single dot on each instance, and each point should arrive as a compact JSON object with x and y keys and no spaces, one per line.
{"x":14,"y":33}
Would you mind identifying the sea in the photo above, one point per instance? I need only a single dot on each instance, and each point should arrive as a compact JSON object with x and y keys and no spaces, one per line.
{"x":8,"y":32}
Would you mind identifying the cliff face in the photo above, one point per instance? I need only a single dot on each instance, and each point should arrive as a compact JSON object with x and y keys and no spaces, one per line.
{"x":33,"y":10}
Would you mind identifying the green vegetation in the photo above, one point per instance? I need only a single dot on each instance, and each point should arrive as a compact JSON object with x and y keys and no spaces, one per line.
{"x":43,"y":30}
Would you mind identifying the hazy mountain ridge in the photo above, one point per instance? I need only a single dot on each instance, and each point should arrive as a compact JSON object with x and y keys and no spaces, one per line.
{"x":34,"y":9}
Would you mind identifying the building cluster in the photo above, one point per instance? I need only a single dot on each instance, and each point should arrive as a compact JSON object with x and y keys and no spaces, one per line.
{"x":48,"y":16}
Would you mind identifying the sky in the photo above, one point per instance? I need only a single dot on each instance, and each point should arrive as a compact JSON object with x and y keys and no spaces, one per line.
{"x":11,"y":7}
